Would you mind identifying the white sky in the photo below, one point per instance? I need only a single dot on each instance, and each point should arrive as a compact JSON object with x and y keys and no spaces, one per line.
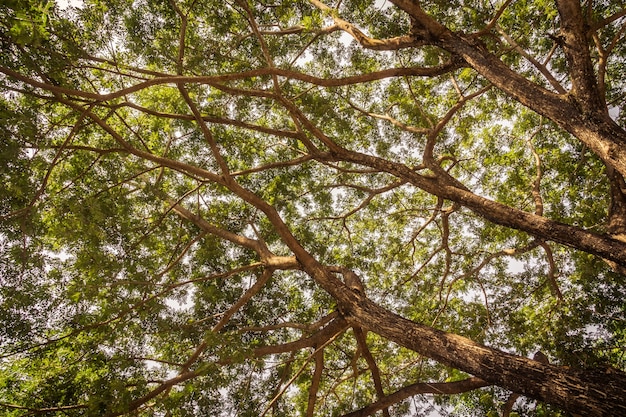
{"x":63,"y":4}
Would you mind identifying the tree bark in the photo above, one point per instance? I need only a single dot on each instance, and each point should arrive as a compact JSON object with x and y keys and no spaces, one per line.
{"x":602,"y":245}
{"x":581,"y":112}
{"x":597,"y":392}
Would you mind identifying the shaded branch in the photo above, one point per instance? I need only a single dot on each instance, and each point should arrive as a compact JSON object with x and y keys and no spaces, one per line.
{"x":335,"y":327}
{"x":540,"y":67}
{"x":436,"y":388}
{"x":371,"y":363}
{"x":315,"y":382}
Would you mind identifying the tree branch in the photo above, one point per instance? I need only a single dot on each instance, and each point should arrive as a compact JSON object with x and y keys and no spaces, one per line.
{"x":437,"y":388}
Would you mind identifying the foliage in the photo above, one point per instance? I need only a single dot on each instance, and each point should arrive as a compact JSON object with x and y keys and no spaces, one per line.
{"x":187,"y":185}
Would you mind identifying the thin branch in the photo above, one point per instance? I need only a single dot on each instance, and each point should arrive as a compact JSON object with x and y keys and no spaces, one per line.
{"x":273,"y":165}
{"x":258,"y":286}
{"x":492,"y":23}
{"x":607,"y":20}
{"x":315,"y":382}
{"x":135,"y":404}
{"x":217,"y":79}
{"x":438,"y":388}
{"x":206,"y":132}
{"x":540,"y":67}
{"x":335,"y":327}
{"x":552,"y":272}
{"x":297,"y":374}
{"x":536,"y":190}
{"x":181,"y":38}
{"x":360,"y":335}
{"x":308,"y":328}
{"x":214,"y":119}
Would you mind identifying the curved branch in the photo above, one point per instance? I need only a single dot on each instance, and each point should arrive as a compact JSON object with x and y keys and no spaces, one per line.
{"x":602,"y":245}
{"x":207,"y":227}
{"x":552,"y":272}
{"x":217,"y":79}
{"x":456,"y":387}
{"x":391,"y":44}
{"x":213,"y":119}
{"x":335,"y":327}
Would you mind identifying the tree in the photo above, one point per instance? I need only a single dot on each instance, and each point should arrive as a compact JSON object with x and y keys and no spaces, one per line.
{"x":299,"y":208}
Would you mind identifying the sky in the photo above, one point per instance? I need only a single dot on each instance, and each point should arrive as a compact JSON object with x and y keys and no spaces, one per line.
{"x":63,"y":4}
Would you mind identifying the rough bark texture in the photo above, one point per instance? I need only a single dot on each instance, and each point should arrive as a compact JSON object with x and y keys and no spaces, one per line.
{"x":597,"y":392}
{"x":580,"y":112}
{"x":499,"y":213}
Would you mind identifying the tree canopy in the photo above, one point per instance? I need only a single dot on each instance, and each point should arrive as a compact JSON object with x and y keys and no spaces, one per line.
{"x":281,"y":208}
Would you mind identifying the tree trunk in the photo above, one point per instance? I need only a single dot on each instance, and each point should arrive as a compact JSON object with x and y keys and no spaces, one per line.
{"x":597,"y":392}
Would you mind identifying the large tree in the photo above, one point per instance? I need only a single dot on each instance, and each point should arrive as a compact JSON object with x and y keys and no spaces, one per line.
{"x":304,"y":208}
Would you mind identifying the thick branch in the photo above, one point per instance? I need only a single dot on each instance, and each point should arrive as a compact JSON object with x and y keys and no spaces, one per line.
{"x":581,"y":114}
{"x":576,"y":47}
{"x":597,"y":393}
{"x":601,"y":245}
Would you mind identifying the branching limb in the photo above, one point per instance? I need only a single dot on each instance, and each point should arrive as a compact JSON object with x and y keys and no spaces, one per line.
{"x":371,"y":363}
{"x":296,"y":374}
{"x":307,"y":328}
{"x":387,"y":117}
{"x":391,"y":44}
{"x":540,"y":67}
{"x":457,"y":387}
{"x":576,"y":49}
{"x":372,"y":193}
{"x":255,"y":245}
{"x":474,"y":272}
{"x":335,"y":327}
{"x":603,"y":57}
